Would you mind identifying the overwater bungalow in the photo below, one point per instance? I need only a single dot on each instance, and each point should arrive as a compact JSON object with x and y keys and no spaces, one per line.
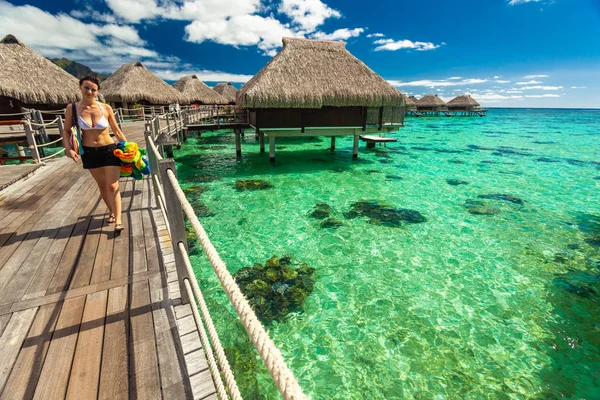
{"x":430,"y":104}
{"x":227,"y":90}
{"x":198,"y":92}
{"x":133,"y":83}
{"x":29,"y":80}
{"x":317,"y":88}
{"x":411,"y":105}
{"x":465,"y":105}
{"x":413,"y":99}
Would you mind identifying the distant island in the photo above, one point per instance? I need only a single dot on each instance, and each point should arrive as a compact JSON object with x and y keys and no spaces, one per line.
{"x":76,"y":69}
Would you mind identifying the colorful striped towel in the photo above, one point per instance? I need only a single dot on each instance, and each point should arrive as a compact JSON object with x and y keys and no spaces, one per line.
{"x":133,"y":160}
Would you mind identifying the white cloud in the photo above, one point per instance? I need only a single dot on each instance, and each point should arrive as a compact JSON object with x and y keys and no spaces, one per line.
{"x":340,"y":34}
{"x":438,"y":83}
{"x":245,"y":30}
{"x":204,"y":75}
{"x":532,"y":82}
{"x":495,"y":97}
{"x":540,"y":96}
{"x":497,"y":77}
{"x":134,"y":10}
{"x":501,"y":81}
{"x":102,"y":47}
{"x":541,"y":87}
{"x":514,"y":91}
{"x":372,"y":35}
{"x":307,"y":14}
{"x":393,"y":45}
{"x":535,"y":76}
{"x":515,"y":2}
{"x":578,"y":87}
{"x":453,"y":78}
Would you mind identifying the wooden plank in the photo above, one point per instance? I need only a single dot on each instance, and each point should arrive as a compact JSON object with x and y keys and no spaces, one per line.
{"x":11,"y":341}
{"x":190,"y":342}
{"x":85,"y":373}
{"x":114,"y":379}
{"x":144,"y":376}
{"x":83,"y":272}
{"x":82,"y":291}
{"x":121,"y":256}
{"x":202,"y":385}
{"x":3,"y":322}
{"x":26,"y":371}
{"x":196,"y":362}
{"x":57,"y":365}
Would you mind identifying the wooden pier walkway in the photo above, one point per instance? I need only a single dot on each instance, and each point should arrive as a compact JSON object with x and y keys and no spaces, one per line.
{"x":84,"y":313}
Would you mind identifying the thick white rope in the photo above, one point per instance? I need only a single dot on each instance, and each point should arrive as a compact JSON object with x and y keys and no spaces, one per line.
{"x":14,"y":114}
{"x":53,"y":155}
{"x":234,"y":392}
{"x":270,"y":354}
{"x":49,"y":143}
{"x":214,"y":370}
{"x":46,"y":124}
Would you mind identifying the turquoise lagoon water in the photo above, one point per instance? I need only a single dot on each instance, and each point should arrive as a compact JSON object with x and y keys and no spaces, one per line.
{"x":463,"y":306}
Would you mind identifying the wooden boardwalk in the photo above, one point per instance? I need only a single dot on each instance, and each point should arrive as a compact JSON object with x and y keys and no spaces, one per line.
{"x":84,"y":313}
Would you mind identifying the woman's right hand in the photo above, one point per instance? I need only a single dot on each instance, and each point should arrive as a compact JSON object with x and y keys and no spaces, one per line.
{"x":72,"y":154}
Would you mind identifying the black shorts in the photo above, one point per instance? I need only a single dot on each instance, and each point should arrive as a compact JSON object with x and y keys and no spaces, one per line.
{"x":96,"y":157}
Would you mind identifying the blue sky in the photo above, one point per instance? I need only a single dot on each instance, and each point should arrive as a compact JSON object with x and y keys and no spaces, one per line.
{"x":514,"y":53}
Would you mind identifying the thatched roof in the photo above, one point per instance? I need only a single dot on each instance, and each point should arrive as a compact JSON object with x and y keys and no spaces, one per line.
{"x":32,"y":79}
{"x":464,"y":100}
{"x":430,"y":100}
{"x":133,"y":83}
{"x":197,"y":91}
{"x":227,"y":90}
{"x":315,"y":73}
{"x":413,"y":99}
{"x":409,"y":101}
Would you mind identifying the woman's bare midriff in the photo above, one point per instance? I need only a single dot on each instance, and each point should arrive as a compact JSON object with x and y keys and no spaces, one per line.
{"x":97,"y":137}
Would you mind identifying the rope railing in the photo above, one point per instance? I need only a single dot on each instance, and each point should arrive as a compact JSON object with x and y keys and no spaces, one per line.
{"x":53,"y":155}
{"x":14,"y":114}
{"x":49,"y":143}
{"x":43,"y":125}
{"x":53,"y":111}
{"x":280,"y":373}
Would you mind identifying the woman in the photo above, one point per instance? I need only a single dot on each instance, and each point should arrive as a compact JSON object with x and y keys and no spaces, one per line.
{"x":94,"y":119}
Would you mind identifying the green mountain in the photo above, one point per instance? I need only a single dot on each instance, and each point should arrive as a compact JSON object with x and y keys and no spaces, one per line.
{"x":76,"y":69}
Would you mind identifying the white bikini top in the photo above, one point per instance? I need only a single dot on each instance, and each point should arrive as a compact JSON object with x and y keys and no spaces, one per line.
{"x":101,"y":124}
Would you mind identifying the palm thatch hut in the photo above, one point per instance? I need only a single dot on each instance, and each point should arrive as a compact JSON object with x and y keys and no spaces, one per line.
{"x":464,"y":104}
{"x":227,"y":90}
{"x":317,"y":88}
{"x":29,"y":80}
{"x":133,"y":83}
{"x":431,"y":104}
{"x":198,"y":92}
{"x":413,"y":99}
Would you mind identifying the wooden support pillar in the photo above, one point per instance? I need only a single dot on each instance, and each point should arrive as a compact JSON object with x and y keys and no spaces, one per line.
{"x":32,"y":145}
{"x":168,"y":149}
{"x":332,"y":143}
{"x":176,"y":224}
{"x":355,"y":147}
{"x":271,"y":149}
{"x":261,"y":137}
{"x":238,"y":143}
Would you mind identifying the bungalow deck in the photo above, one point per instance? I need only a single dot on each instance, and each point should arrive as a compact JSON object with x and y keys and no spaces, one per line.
{"x":85,"y":314}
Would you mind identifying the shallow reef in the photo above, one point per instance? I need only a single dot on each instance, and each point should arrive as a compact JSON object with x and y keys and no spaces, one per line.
{"x":252,"y":184}
{"x":504,"y":197}
{"x":383,"y":214}
{"x":331,"y":223}
{"x":478,"y":207}
{"x":321,"y":211}
{"x":393,"y":177}
{"x":456,"y":161}
{"x":276,"y":289}
{"x":456,"y":182}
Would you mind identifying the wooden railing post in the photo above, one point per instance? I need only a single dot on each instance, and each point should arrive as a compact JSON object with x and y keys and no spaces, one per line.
{"x":176,"y":224}
{"x":152,"y":160}
{"x":32,"y":145}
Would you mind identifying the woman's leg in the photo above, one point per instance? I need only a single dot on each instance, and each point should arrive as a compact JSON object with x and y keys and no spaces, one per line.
{"x":112,"y":175}
{"x":100,"y":177}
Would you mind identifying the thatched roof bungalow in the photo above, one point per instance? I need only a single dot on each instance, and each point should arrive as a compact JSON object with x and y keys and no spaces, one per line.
{"x":413,"y":99}
{"x":198,"y":92}
{"x":30,"y":80}
{"x":410,"y":103}
{"x":430,"y":103}
{"x":227,"y":90}
{"x":317,"y":88}
{"x":133,"y":83}
{"x":463,"y":103}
